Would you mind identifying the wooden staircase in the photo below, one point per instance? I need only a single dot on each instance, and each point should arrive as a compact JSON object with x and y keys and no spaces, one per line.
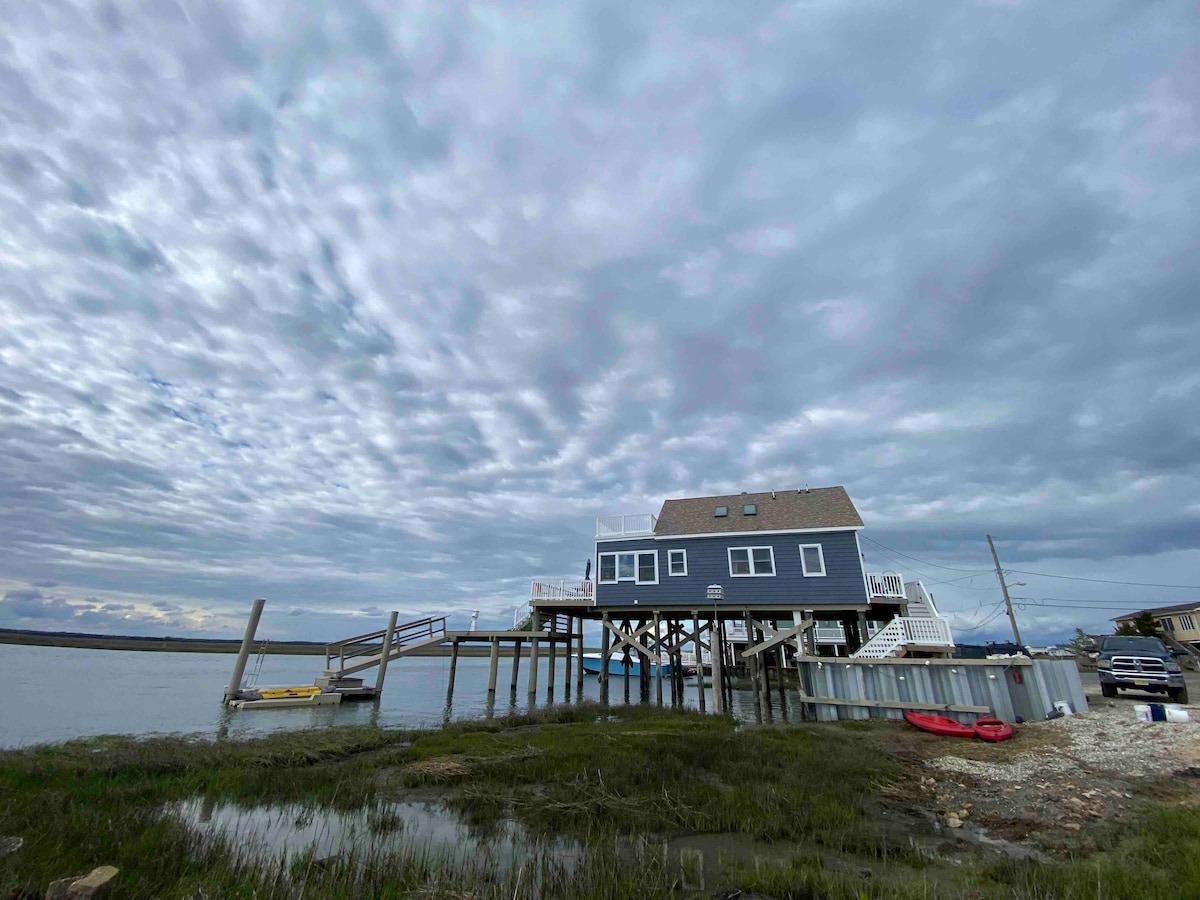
{"x":366,"y":651}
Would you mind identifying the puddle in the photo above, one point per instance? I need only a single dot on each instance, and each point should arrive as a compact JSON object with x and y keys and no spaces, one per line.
{"x":428,"y":831}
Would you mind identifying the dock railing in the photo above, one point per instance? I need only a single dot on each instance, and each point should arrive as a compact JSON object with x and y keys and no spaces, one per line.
{"x":562,"y":591}
{"x":372,"y":643}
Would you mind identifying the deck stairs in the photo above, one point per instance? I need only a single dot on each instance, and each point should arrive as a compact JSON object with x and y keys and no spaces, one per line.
{"x":922,"y":629}
{"x":366,"y":651}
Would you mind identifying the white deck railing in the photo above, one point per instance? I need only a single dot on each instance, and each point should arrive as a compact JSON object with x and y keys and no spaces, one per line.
{"x":900,"y":632}
{"x":885,"y":584}
{"x":625,"y":526}
{"x":562,"y":591}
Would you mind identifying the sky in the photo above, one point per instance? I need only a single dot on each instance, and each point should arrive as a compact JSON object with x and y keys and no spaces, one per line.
{"x":376,"y":306}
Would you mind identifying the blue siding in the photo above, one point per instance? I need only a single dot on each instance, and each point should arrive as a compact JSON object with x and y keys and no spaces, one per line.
{"x":708,"y":563}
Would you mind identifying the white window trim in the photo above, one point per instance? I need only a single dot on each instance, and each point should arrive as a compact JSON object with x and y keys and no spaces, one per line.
{"x":672,"y":573}
{"x":616,"y":555}
{"x":804,"y":565}
{"x":637,"y":566}
{"x":1187,"y":623}
{"x":752,"y":574}
{"x":599,"y":560}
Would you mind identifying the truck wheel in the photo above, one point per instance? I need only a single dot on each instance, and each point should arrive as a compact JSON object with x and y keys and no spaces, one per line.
{"x":1108,"y":690}
{"x":1178,"y":695}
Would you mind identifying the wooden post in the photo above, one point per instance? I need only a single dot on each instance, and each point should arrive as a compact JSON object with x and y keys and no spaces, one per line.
{"x":567,"y":657}
{"x":625,"y":657}
{"x":385,"y":652}
{"x":516,"y":664}
{"x":715,"y":649}
{"x":579,"y":661}
{"x":551,"y":647}
{"x":764,"y":670}
{"x":658,"y":657}
{"x":753,"y":670}
{"x":453,"y":669}
{"x":727,"y":667}
{"x":239,"y":665}
{"x":699,"y":657}
{"x":779,"y":678}
{"x":536,"y":623}
{"x":493,"y":665}
{"x":643,"y":666}
{"x":605,"y":640}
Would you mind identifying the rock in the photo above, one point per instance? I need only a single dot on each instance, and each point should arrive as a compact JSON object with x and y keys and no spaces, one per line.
{"x":964,"y":813}
{"x":953,"y":821}
{"x":1073,"y":826}
{"x":92,"y":886}
{"x":10,"y":845}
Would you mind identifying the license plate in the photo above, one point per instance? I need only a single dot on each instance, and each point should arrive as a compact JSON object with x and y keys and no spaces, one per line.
{"x":1141,"y":681}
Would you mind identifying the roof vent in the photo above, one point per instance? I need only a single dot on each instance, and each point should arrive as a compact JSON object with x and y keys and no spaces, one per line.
{"x":721,"y":511}
{"x":749,"y":509}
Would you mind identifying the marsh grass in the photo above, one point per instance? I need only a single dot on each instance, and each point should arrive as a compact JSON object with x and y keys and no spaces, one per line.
{"x":581,"y":774}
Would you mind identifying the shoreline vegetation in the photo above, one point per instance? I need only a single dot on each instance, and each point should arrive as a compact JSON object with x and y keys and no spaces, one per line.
{"x":83,"y":641}
{"x":606,"y":796}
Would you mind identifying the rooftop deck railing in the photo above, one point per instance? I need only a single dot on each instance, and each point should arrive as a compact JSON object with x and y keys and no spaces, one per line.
{"x":625,"y":526}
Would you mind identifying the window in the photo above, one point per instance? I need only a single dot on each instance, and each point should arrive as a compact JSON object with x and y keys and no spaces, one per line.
{"x":721,"y":511}
{"x":749,"y":562}
{"x":608,"y":568}
{"x":750,"y":509}
{"x":1186,"y":623}
{"x":639,"y":566}
{"x":812,"y":560}
{"x":647,"y":568}
{"x":676,"y":562}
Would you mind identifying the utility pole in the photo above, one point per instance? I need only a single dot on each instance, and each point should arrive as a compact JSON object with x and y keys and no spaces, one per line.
{"x":1004,"y":588}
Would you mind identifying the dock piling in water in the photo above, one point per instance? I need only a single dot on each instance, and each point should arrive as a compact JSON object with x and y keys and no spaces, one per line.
{"x":239,"y":667}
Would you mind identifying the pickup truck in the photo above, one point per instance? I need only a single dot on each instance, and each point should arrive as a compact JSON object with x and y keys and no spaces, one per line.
{"x":1140,"y":664}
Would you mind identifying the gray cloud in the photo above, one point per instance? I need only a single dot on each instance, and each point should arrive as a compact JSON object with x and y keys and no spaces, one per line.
{"x":366,"y":308}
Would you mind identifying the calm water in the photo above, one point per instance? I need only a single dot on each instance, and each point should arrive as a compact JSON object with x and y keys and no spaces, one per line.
{"x":56,"y":693}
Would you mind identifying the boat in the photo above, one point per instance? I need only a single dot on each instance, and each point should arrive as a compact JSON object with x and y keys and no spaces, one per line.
{"x":994,"y":730}
{"x":616,"y":665}
{"x":282,"y":698}
{"x":938,"y":725}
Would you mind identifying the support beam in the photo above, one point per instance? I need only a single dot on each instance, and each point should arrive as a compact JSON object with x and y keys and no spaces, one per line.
{"x":625,"y":645}
{"x":659,"y":654}
{"x":605,"y":650}
{"x":551,"y":648}
{"x":579,"y":660}
{"x":536,"y":622}
{"x":568,"y":657}
{"x":493,"y":666}
{"x":239,"y":666}
{"x":772,"y":637}
{"x":516,"y":666}
{"x":453,"y":670}
{"x":754,"y":688}
{"x":718,"y":684}
{"x":699,"y":657}
{"x":385,"y":652}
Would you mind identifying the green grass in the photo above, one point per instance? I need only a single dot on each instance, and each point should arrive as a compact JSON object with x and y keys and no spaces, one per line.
{"x":603,"y":781}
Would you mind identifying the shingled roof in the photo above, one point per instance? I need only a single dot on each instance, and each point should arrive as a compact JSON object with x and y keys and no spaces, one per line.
{"x":828,"y":507}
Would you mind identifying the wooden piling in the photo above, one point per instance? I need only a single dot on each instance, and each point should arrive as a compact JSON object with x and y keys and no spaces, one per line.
{"x":516,"y":664}
{"x":536,"y":623}
{"x":493,"y":666}
{"x":567,"y":657}
{"x":658,"y":655}
{"x":714,"y":651}
{"x":239,"y":665}
{"x":579,"y":659}
{"x":754,"y":670}
{"x":385,"y":652}
{"x":551,"y":648}
{"x":625,"y":658}
{"x":453,"y":669}
{"x":699,"y":657}
{"x":605,"y":640}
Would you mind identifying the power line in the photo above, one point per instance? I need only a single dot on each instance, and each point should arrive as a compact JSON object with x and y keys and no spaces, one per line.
{"x":995,"y":615}
{"x":923,"y":561}
{"x":930,"y":579}
{"x":1181,"y":587}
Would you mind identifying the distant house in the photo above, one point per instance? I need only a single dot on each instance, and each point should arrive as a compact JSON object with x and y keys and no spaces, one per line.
{"x":783,"y":556}
{"x":1180,"y":623}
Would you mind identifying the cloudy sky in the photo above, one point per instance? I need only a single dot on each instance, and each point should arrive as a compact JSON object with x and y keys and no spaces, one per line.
{"x":374,"y":306}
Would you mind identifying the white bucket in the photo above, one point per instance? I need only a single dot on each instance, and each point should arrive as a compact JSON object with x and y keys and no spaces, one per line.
{"x":1177,"y":714}
{"x":1143,"y":712}
{"x":1063,"y":707}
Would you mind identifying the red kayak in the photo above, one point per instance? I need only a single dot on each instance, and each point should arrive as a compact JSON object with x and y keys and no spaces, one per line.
{"x":939,"y":725}
{"x":994,"y":730}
